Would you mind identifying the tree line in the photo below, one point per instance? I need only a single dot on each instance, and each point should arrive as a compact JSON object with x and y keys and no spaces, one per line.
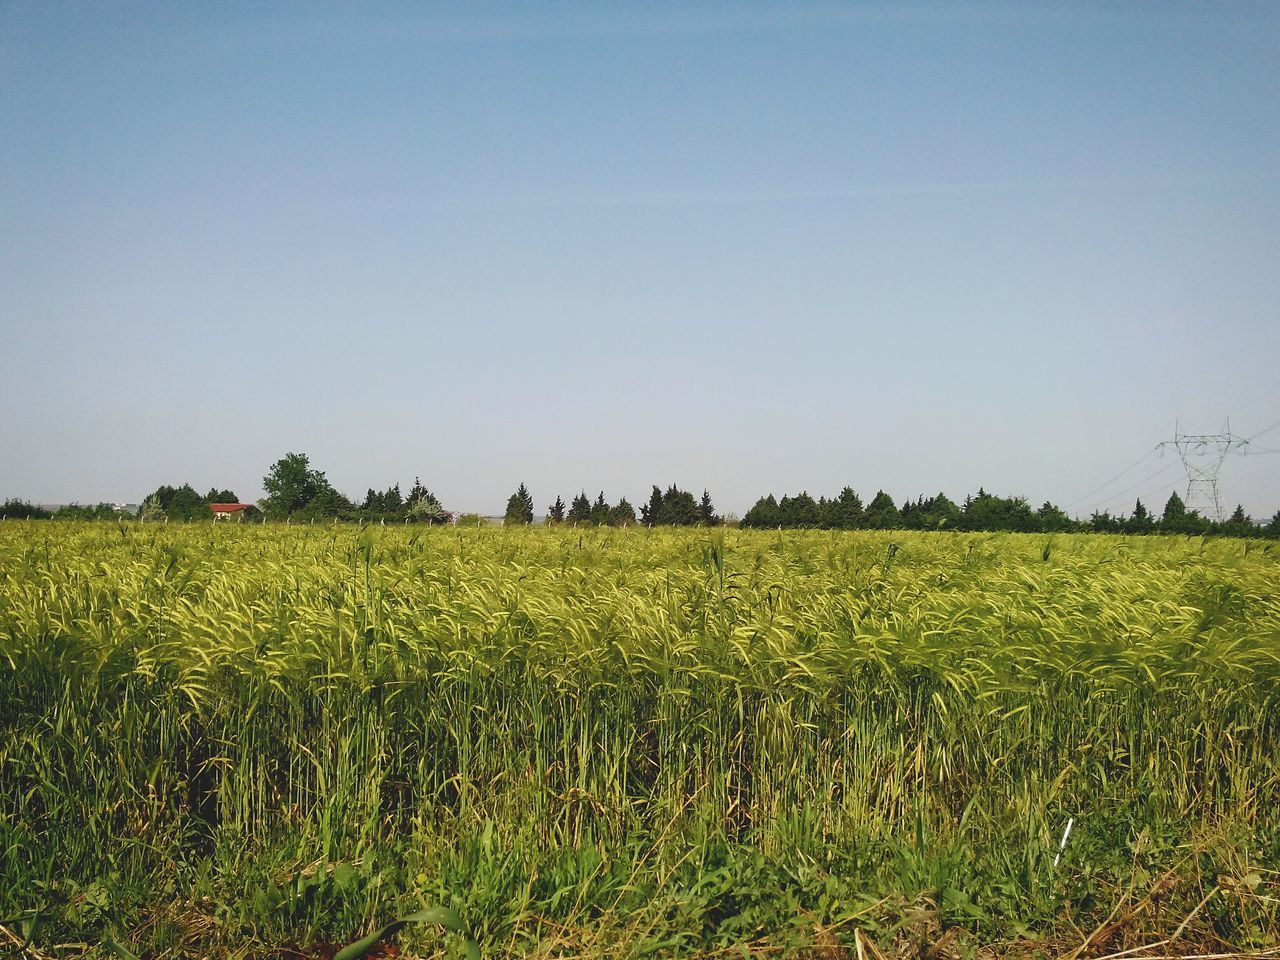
{"x":295,"y":490}
{"x":672,"y":507}
{"x":987,"y":512}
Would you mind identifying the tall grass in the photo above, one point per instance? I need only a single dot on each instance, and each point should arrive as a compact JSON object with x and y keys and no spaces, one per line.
{"x":635,"y":741}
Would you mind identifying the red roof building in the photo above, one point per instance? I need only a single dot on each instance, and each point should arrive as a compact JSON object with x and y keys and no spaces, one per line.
{"x":225,"y":511}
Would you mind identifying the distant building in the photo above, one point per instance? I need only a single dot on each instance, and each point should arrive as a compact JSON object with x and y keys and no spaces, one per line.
{"x":230,"y":511}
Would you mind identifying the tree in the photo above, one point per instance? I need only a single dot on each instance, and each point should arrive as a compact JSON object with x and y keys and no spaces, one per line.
{"x":292,"y":484}
{"x":1178,"y":519}
{"x":220,"y":496}
{"x":1104,"y":522}
{"x":427,"y":509}
{"x":845,"y":511}
{"x":976,"y":512}
{"x":580,"y":509}
{"x":934,"y":513}
{"x":416,"y":492}
{"x":1272,"y":529}
{"x":180,"y":503}
{"x":23,"y":510}
{"x":941,"y":513}
{"x":520,"y":507}
{"x":707,"y":511}
{"x":800,"y":511}
{"x":881,"y":513}
{"x":1175,"y":514}
{"x":1053,"y":519}
{"x":1239,"y":524}
{"x":988,"y":512}
{"x":389,"y":503}
{"x":650,"y":513}
{"x":623,"y":515}
{"x":555,"y":512}
{"x":763,"y":515}
{"x":1140,"y":521}
{"x":391,"y":500}
{"x":76,"y":511}
{"x":679,"y":508}
{"x":327,"y":503}
{"x":600,"y":511}
{"x":423,"y":506}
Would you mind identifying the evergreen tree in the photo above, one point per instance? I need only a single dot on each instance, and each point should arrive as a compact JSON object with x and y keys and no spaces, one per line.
{"x":580,"y":509}
{"x":416,"y":492}
{"x":1272,"y":529}
{"x":1053,"y":519}
{"x":846,"y":511}
{"x":391,"y":501}
{"x":600,"y":511}
{"x":672,"y":507}
{"x":1239,"y":524}
{"x":764,"y":515}
{"x":327,"y":502}
{"x":940,"y":513}
{"x":988,"y":512}
{"x":180,"y":503}
{"x":1175,"y":514}
{"x":651,"y":512}
{"x":826,"y":513}
{"x":1020,"y":515}
{"x":798,"y":512}
{"x":623,"y":515}
{"x":519,"y":507}
{"x":975,"y":513}
{"x":881,"y":513}
{"x":555,"y":512}
{"x":1141,"y":521}
{"x":707,"y":512}
{"x":1104,"y":522}
{"x":679,"y":508}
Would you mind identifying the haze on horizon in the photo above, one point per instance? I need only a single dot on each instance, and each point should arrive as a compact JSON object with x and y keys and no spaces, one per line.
{"x":913,"y":247}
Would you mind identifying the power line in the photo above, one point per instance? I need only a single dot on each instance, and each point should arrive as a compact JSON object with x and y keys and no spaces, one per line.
{"x":1178,"y":442}
{"x":1103,"y":486}
{"x":1263,"y":431}
{"x":1203,"y":455}
{"x":1116,"y":496}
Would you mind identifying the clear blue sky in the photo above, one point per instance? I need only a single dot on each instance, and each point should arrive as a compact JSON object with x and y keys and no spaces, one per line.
{"x":745,"y":247}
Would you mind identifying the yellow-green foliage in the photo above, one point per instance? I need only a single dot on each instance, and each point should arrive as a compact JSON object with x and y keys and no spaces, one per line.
{"x":688,"y":738}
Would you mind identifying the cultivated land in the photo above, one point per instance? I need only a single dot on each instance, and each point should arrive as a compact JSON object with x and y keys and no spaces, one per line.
{"x":219,"y":740}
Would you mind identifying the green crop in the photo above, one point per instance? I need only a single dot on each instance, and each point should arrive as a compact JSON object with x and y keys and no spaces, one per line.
{"x":633,"y":742}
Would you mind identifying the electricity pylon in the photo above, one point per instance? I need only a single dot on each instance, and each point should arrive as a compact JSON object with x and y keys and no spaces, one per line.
{"x":1202,"y":456}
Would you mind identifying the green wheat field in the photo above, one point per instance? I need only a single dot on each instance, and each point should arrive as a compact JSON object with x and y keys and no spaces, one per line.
{"x":269,"y":741}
